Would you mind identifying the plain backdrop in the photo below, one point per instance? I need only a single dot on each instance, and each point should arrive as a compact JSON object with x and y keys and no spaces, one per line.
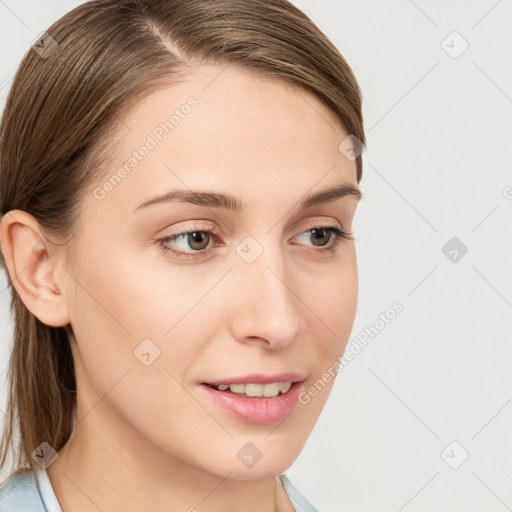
{"x":421,"y":418}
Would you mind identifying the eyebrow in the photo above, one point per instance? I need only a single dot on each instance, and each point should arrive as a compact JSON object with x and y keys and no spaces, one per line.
{"x":232,"y":203}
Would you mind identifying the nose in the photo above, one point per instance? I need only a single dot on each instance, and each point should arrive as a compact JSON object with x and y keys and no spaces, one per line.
{"x":266,"y":307}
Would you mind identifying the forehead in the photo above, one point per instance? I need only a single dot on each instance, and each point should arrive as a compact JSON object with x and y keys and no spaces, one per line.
{"x":231,"y":100}
{"x":229,"y":129}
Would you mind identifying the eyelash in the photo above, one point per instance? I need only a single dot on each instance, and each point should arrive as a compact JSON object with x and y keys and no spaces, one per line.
{"x":339,"y":235}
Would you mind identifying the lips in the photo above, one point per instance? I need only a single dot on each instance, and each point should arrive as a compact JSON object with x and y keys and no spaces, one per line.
{"x":256,"y":398}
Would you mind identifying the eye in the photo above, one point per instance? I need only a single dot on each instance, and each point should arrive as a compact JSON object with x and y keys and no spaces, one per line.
{"x":198,"y":240}
{"x":322,"y":235}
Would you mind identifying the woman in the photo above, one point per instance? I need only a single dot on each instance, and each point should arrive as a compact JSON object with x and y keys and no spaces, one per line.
{"x":178,"y":182}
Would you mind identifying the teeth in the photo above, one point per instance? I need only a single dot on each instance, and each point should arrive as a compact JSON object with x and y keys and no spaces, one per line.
{"x":257,"y":390}
{"x":284,"y":386}
{"x":237,"y":388}
{"x":271,"y":389}
{"x":254,"y":389}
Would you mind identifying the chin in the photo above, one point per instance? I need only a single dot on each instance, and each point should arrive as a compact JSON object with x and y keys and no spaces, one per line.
{"x":258,"y":457}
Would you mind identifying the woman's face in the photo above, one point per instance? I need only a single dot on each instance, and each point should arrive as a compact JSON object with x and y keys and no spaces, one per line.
{"x":257,"y":298}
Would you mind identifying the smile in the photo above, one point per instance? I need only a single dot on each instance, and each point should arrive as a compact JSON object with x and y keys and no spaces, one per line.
{"x":256,"y":398}
{"x":256,"y":390}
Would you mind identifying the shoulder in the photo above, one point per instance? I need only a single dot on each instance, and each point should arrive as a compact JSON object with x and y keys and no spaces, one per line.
{"x":300,"y":503}
{"x":19,"y":493}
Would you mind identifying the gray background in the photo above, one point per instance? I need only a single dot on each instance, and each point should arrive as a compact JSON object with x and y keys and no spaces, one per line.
{"x":433,"y":387}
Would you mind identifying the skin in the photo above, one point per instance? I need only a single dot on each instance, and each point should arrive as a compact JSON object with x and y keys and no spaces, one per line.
{"x":146,"y":437}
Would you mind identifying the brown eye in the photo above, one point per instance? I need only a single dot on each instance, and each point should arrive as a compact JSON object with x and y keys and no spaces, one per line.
{"x":195,"y":240}
{"x":194,"y":244}
{"x":321,"y":235}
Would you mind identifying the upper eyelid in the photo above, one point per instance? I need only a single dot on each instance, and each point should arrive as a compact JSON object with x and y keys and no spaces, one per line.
{"x":310,"y":224}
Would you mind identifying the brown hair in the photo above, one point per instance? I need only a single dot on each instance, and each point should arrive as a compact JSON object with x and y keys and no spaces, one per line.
{"x":98,"y":59}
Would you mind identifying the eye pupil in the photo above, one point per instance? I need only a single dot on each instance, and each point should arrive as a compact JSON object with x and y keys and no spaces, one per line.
{"x":197,"y":237}
{"x":320,"y":231}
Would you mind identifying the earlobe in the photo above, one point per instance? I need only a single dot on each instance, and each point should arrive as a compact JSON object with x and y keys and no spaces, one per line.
{"x":32,"y":268}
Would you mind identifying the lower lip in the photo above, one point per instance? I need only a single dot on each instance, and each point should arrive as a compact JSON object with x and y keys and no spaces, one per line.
{"x":256,"y":410}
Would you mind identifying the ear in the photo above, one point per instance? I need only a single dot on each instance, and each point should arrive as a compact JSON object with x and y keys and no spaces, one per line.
{"x":31,"y":263}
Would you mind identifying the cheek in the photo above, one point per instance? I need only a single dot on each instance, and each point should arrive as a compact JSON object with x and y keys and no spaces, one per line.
{"x":333,"y":299}
{"x":123,"y":310}
{"x":122,"y":297}
{"x":131,"y":316}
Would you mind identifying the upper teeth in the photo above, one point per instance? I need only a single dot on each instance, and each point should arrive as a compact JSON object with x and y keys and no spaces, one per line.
{"x":266,"y":390}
